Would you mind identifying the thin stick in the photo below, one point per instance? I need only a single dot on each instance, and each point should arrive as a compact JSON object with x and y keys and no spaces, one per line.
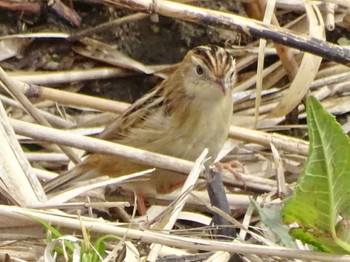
{"x":19,"y":179}
{"x":286,"y":143}
{"x":106,"y":26}
{"x":137,"y":155}
{"x":234,"y":22}
{"x":12,"y":87}
{"x":73,"y":99}
{"x":100,"y":146}
{"x":167,"y":239}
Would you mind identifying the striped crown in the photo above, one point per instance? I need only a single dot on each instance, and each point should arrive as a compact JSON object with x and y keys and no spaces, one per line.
{"x":217,"y":59}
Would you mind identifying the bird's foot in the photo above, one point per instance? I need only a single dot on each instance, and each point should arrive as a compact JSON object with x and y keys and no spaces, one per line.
{"x":141,"y":206}
{"x":234,"y":167}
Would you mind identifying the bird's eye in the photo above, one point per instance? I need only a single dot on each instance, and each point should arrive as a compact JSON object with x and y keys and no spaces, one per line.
{"x":199,"y":70}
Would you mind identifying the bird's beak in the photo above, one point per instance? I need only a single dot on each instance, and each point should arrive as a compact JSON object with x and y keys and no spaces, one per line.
{"x":221,"y":84}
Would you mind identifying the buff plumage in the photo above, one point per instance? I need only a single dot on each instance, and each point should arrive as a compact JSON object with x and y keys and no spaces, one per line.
{"x":189,"y":111}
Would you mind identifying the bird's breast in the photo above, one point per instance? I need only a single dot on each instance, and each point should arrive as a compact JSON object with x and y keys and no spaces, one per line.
{"x":201,"y":127}
{"x":186,"y":133}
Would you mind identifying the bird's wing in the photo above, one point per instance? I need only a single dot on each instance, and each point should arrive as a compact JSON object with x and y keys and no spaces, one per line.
{"x":134,"y":116}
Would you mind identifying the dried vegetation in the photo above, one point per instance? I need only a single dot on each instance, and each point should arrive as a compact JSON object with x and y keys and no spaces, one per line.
{"x":75,"y":66}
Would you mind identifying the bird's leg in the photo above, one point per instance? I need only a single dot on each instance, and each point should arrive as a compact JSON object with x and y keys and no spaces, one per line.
{"x":141,"y":207}
{"x":233,"y":166}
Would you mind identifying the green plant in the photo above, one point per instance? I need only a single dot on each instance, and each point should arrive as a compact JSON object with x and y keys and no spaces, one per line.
{"x":320,"y":205}
{"x":73,"y":248}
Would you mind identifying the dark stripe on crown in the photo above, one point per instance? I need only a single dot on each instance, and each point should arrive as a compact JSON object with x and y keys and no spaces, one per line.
{"x":217,"y":59}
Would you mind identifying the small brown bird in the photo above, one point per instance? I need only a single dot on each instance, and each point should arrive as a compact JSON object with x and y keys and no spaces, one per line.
{"x":189,"y":111}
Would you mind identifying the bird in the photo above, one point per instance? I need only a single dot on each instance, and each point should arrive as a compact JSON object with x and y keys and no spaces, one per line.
{"x":189,"y":111}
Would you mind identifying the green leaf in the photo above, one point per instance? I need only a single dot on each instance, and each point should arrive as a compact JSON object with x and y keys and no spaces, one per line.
{"x":100,"y":246}
{"x":271,"y":217}
{"x":54,"y":234}
{"x":321,"y":198}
